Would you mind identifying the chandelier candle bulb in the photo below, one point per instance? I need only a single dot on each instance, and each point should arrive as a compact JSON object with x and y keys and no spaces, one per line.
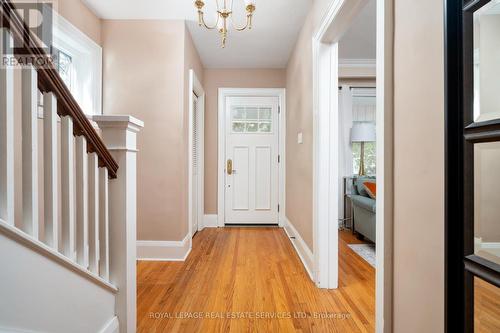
{"x":219,"y":22}
{"x":223,"y":15}
{"x":250,"y":3}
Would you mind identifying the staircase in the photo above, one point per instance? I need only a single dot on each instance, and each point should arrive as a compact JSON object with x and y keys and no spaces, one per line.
{"x":67,"y":201}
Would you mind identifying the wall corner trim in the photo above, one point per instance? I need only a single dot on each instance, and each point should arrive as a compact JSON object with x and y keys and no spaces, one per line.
{"x":148,"y":250}
{"x":210,"y":221}
{"x":112,"y":326}
{"x":300,"y":246}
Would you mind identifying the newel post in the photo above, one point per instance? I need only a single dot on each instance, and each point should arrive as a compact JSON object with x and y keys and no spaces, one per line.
{"x":119,"y":134}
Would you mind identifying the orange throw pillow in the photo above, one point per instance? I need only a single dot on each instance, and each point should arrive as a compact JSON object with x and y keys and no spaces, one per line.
{"x":371,"y":188}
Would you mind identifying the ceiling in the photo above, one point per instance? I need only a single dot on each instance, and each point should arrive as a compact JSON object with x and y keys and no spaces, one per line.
{"x":268,"y":45}
{"x":359,"y":42}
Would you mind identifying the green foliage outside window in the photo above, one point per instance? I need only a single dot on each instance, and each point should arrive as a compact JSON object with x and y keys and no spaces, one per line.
{"x":370,"y":157}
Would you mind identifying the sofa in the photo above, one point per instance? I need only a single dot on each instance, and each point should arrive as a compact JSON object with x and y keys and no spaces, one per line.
{"x":364,"y":209}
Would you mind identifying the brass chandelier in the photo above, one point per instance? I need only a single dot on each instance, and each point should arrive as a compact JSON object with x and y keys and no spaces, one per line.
{"x":223,"y":16}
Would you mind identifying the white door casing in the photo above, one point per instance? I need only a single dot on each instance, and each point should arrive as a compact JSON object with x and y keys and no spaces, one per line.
{"x":335,"y":21}
{"x":261,"y":194}
{"x":251,"y":188}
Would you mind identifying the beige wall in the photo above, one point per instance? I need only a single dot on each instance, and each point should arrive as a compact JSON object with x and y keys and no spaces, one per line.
{"x":486,"y":194}
{"x":489,"y":53}
{"x":418,"y":167}
{"x":81,"y":17}
{"x":418,"y":158}
{"x":145,"y":77}
{"x":227,"y":78}
{"x":299,"y":157}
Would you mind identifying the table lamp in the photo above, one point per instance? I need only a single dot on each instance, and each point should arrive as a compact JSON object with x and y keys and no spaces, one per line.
{"x":363,"y":132}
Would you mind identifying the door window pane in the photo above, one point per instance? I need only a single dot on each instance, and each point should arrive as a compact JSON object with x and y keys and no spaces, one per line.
{"x":486,"y":307}
{"x":238,"y":127}
{"x":239,"y":113}
{"x":264,"y":127}
{"x":486,"y":62}
{"x":252,"y":127}
{"x":251,"y":119}
{"x":252,"y":113}
{"x":487,"y":201}
{"x":264,"y":113}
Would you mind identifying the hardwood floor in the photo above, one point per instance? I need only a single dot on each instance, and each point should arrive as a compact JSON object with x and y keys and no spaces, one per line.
{"x":486,"y":307}
{"x":251,"y":280}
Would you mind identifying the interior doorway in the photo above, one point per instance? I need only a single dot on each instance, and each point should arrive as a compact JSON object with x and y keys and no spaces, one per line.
{"x":330,"y":138}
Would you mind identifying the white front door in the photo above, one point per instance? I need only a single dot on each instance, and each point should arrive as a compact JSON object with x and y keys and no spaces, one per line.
{"x":251,"y":170}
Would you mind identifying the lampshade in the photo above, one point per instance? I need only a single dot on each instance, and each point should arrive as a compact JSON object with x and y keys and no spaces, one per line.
{"x":250,"y":2}
{"x":363,"y":132}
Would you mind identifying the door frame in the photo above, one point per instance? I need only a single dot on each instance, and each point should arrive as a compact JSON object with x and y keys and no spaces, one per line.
{"x":196,"y":88}
{"x":326,"y":182}
{"x":462,"y":133}
{"x":325,"y":107}
{"x":221,"y":164}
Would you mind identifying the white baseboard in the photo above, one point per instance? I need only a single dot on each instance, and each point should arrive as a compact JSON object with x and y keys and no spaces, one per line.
{"x":490,"y":247}
{"x":113,"y":326}
{"x":164,"y":250}
{"x":305,"y":254}
{"x":14,"y":330}
{"x":210,"y":221}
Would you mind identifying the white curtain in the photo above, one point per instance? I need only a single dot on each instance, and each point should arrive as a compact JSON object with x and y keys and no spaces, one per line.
{"x":364,"y":108}
{"x":345,"y":151}
{"x":355,"y":104}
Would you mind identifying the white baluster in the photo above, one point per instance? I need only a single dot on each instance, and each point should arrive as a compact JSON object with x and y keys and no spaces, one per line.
{"x":103,"y":224}
{"x":68,"y":188}
{"x":6,"y":134}
{"x":93,"y":213}
{"x":30,"y":136}
{"x":51,"y":193}
{"x":82,"y":206}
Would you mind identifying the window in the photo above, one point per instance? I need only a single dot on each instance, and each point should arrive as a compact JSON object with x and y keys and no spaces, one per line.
{"x":370,"y":158}
{"x":251,"y":119}
{"x":64,"y":65}
{"x":78,"y":59}
{"x":364,"y":110}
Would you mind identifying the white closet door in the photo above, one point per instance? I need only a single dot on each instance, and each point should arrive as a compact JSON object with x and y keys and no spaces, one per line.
{"x":195,"y":161}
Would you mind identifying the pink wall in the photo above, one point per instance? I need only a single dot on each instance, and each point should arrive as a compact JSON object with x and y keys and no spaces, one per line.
{"x":227,"y":78}
{"x":418,"y":167}
{"x":146,"y":78}
{"x":78,"y":14}
{"x":299,"y":98}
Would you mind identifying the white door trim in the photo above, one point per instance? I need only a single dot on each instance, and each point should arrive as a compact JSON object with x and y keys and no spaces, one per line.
{"x":196,"y":88}
{"x":326,"y":164}
{"x":221,"y":164}
{"x":325,"y":104}
{"x":325,"y":143}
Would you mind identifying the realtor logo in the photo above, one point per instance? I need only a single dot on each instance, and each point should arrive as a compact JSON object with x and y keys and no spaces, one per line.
{"x":38,"y":17}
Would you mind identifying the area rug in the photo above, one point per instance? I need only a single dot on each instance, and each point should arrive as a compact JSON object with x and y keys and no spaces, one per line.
{"x":365,"y":251}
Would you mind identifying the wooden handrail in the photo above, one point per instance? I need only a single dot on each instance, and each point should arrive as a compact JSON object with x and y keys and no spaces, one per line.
{"x":50,"y":81}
